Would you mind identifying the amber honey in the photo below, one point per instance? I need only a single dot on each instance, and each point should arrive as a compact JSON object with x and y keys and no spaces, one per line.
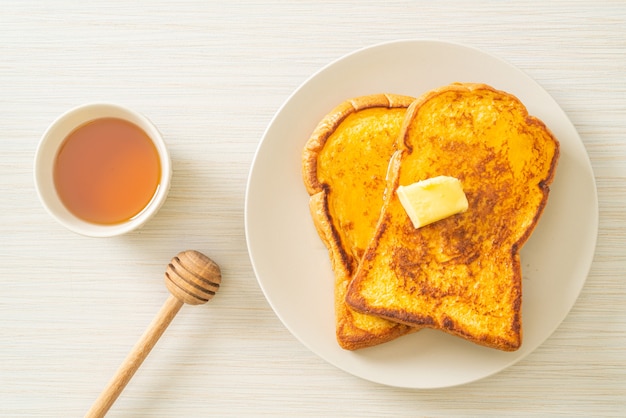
{"x":107,"y":171}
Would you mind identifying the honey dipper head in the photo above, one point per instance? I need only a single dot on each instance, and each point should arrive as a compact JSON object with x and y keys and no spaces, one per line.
{"x":192,"y":277}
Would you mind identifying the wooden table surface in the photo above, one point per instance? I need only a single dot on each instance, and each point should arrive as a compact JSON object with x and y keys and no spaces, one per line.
{"x":211,"y":75}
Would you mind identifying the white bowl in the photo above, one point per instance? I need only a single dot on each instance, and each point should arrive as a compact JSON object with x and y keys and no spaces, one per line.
{"x":47,"y":152}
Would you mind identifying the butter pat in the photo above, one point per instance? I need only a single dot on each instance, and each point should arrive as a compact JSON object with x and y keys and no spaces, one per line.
{"x":431,"y":200}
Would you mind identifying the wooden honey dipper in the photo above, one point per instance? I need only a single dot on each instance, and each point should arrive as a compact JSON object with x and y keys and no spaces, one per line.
{"x":192,"y":278}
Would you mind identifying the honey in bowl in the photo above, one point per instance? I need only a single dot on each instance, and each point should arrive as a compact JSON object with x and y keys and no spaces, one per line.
{"x":107,"y":171}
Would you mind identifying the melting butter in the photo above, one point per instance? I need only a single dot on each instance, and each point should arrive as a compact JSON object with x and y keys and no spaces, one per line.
{"x":431,"y":200}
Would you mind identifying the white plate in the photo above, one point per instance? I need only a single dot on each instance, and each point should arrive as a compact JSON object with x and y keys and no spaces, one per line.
{"x":291,"y":263}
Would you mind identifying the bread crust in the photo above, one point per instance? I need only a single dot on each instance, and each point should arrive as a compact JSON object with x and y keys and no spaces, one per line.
{"x":463,"y":274}
{"x":353,"y":330}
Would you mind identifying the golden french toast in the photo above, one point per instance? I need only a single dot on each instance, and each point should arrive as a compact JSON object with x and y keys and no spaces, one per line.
{"x":344,"y":164}
{"x":461,"y":274}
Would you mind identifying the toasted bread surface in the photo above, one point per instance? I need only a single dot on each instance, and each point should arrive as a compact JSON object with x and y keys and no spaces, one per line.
{"x":461,"y":274}
{"x":344,"y":166}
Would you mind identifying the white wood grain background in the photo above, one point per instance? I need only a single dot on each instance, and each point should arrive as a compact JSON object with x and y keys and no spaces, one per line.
{"x":211,"y":74}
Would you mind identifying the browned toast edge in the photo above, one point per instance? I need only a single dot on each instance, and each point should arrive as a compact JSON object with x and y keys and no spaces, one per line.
{"x":349,"y":336}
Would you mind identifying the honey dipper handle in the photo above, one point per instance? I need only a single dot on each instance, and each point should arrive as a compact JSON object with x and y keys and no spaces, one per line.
{"x":134,"y":359}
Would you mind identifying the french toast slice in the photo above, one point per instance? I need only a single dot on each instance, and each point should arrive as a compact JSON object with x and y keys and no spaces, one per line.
{"x":344,"y":166}
{"x":461,"y":274}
